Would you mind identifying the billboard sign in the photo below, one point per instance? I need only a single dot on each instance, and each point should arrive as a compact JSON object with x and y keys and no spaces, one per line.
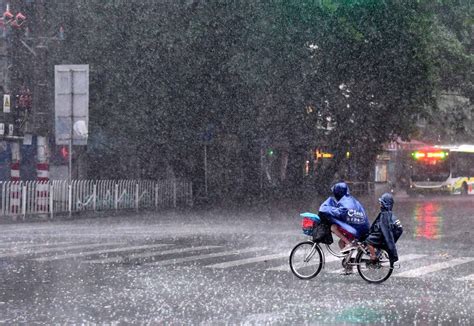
{"x":71,"y":104}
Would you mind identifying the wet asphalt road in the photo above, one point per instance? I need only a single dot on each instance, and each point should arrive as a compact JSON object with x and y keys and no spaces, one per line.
{"x":230,"y":267}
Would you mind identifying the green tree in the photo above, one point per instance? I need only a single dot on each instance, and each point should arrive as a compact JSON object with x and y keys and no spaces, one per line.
{"x":165,"y":73}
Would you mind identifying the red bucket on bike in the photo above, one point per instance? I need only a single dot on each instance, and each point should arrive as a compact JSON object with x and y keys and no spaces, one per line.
{"x":308,"y":225}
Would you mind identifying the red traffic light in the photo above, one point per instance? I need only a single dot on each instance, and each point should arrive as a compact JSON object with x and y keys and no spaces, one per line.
{"x":64,"y":152}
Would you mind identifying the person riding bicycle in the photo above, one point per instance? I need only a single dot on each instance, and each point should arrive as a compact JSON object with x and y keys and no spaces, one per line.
{"x":346,"y":215}
{"x":385,"y":230}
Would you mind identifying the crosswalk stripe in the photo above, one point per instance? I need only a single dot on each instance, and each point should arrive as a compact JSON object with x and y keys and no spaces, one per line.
{"x":14,"y":246}
{"x":286,"y":267}
{"x":402,"y":258}
{"x":466,"y":278}
{"x":98,"y":252}
{"x":9,"y":244}
{"x":112,"y":260}
{"x":47,"y":250}
{"x":417,"y":272}
{"x":205,"y":256}
{"x":409,"y":257}
{"x":248,"y":261}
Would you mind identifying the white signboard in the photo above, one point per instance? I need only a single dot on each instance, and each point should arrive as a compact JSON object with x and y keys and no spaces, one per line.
{"x":2,"y":129}
{"x":28,"y":139}
{"x":10,"y":130}
{"x":71,"y":101}
{"x":6,"y":103}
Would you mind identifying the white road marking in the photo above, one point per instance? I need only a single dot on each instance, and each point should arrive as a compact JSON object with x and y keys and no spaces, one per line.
{"x":98,"y":252}
{"x":286,"y":267}
{"x":112,"y":260}
{"x":205,"y":256}
{"x":417,"y":272}
{"x":14,"y":246}
{"x":46,"y":250}
{"x":7,"y":244}
{"x":466,"y":278}
{"x":402,"y":258}
{"x":246,"y":261}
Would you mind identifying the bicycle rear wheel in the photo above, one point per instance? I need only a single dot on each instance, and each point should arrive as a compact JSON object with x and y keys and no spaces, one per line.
{"x":306,"y":260}
{"x":374,"y":273}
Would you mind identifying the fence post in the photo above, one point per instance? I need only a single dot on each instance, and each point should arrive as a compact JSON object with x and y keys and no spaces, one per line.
{"x":174,"y":193}
{"x":51,"y":201}
{"x":4,"y":199}
{"x":70,"y":199}
{"x":136,"y":196}
{"x":116,"y":196}
{"x":94,"y":195}
{"x":23,"y":201}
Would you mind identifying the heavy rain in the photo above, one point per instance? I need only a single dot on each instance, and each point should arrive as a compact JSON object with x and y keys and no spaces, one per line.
{"x":236,"y":162}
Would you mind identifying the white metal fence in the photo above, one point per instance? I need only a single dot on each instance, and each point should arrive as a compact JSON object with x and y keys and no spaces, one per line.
{"x":20,"y":198}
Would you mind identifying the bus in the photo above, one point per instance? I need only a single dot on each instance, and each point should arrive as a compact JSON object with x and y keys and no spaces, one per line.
{"x":443,"y":169}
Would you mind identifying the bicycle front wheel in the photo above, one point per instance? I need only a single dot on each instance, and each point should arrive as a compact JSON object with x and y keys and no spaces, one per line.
{"x":377,"y":272}
{"x":306,"y":260}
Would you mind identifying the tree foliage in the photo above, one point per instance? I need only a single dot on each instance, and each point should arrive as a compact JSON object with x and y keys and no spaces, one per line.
{"x":168,"y":77}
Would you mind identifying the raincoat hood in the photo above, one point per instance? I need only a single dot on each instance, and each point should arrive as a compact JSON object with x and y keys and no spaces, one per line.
{"x":386,"y":200}
{"x":339,"y":190}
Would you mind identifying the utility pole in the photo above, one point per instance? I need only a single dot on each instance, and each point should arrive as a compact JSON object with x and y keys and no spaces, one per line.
{"x":41,"y":124}
{"x":28,"y":53}
{"x":42,"y":113}
{"x":71,"y":134}
{"x":13,"y":21}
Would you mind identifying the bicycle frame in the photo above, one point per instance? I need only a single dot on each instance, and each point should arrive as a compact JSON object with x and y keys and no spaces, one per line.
{"x":312,"y":252}
{"x":360,"y":247}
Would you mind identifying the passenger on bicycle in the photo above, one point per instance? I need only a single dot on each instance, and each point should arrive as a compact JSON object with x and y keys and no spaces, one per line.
{"x":385,"y":230}
{"x":346,"y":215}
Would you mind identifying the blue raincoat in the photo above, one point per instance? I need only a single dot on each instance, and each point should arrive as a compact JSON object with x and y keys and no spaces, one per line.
{"x":346,"y":209}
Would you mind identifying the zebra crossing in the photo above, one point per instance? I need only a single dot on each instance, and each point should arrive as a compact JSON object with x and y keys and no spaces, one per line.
{"x":121,"y":259}
{"x":420,"y":271}
{"x":99,"y":252}
{"x":401,"y":259}
{"x":413,"y":266}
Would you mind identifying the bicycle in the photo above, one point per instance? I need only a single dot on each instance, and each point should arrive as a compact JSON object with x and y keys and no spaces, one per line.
{"x":307,"y":258}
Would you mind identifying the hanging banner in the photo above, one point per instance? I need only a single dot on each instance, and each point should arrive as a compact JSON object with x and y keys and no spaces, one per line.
{"x":6,"y":103}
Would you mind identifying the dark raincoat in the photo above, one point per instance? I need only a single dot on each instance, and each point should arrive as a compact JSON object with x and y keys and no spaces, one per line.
{"x":386,"y":230}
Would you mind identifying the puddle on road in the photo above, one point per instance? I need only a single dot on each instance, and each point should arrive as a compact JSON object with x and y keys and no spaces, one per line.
{"x":428,"y":220}
{"x":360,"y":314}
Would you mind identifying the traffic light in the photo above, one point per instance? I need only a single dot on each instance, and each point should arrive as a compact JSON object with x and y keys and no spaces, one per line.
{"x":64,"y":152}
{"x":60,"y":155}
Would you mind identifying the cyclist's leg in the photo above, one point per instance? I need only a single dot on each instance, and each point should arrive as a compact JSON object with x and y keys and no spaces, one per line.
{"x":372,"y":252}
{"x":374,"y":240}
{"x":343,"y":239}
